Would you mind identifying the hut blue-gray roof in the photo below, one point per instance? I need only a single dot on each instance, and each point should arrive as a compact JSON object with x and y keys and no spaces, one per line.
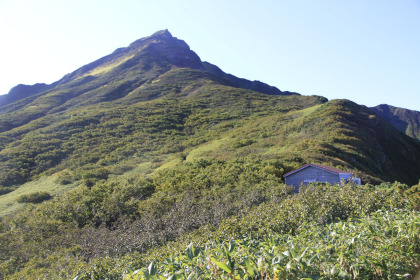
{"x":325,"y":167}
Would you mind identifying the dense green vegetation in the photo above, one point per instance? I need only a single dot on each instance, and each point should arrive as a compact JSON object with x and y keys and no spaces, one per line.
{"x":149,"y":158}
{"x":98,"y":141}
{"x":94,"y":138}
{"x":115,"y":224}
{"x":381,"y":246}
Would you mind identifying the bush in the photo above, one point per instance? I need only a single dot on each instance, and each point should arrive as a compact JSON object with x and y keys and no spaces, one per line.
{"x":65,"y":178}
{"x":36,"y":197}
{"x":4,"y":190}
{"x":382,"y":246}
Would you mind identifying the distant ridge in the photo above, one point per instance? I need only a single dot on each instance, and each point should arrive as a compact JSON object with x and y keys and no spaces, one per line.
{"x":405,"y":120}
{"x":22,"y":91}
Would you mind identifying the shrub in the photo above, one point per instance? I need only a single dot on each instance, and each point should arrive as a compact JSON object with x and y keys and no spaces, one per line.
{"x":4,"y":190}
{"x":381,"y":246}
{"x":36,"y":197}
{"x":65,"y":178}
{"x":242,"y":143}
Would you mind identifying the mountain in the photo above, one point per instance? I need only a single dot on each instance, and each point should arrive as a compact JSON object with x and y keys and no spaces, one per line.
{"x":155,"y":104}
{"x":132,"y":157}
{"x":406,"y":121}
{"x":126,"y":74}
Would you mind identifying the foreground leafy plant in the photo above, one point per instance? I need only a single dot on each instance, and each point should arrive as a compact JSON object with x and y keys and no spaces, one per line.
{"x":384,"y":245}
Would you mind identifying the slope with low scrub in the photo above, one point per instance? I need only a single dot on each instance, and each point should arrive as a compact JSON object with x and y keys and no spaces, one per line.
{"x":105,"y":229}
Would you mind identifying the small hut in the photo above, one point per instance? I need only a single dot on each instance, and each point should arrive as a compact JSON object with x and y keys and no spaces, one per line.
{"x":311,"y":172}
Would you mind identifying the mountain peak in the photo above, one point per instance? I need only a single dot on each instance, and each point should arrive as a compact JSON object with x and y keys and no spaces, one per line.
{"x":163,"y":44}
{"x":162,"y":33}
{"x":162,"y":36}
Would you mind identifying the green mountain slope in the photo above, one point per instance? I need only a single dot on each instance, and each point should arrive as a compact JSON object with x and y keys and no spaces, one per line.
{"x":406,"y":121}
{"x":155,"y":101}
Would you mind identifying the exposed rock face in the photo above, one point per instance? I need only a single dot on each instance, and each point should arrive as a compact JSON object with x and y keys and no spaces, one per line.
{"x":161,"y":46}
{"x":175,"y":50}
{"x":244,"y":83}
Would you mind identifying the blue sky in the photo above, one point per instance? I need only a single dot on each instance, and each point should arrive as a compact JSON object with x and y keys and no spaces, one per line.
{"x":365,"y":51}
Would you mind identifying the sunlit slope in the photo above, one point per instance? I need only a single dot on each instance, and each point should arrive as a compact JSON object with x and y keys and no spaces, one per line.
{"x":104,"y":135}
{"x":108,"y":139}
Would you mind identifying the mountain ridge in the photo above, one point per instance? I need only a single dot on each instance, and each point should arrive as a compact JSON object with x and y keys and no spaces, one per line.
{"x":405,"y":120}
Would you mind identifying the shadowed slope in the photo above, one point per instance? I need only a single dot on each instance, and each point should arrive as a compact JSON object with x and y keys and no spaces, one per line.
{"x":406,"y":121}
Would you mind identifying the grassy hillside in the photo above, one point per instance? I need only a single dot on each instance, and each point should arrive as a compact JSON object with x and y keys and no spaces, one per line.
{"x":104,"y":137}
{"x":221,"y":121}
{"x":9,"y":202}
